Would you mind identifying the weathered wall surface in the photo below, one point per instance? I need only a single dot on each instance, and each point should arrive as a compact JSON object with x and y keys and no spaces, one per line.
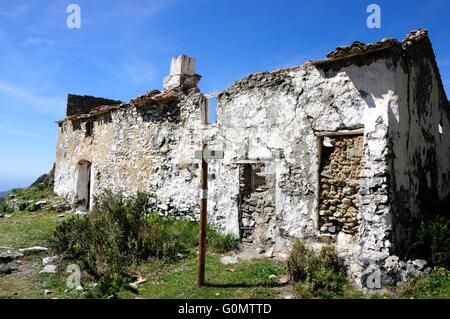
{"x":132,"y":149}
{"x":420,"y":131}
{"x":277,"y":117}
{"x":270,"y":118}
{"x":257,"y":205}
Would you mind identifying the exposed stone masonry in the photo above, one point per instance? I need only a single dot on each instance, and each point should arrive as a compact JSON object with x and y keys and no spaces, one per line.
{"x":257,"y":205}
{"x":339,"y":184}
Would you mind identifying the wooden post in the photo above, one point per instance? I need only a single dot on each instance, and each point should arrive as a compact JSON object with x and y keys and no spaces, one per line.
{"x":203,"y":220}
{"x":204,"y":154}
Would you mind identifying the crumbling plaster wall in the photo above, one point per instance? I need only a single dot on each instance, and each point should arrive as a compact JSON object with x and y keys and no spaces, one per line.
{"x":275,"y":117}
{"x":271,"y":117}
{"x":420,"y":135}
{"x":72,"y":149}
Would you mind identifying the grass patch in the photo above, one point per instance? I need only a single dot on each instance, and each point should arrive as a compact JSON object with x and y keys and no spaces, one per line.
{"x":177,"y":280}
{"x":220,"y":242}
{"x":24,"y":229}
{"x":187,"y":232}
{"x":24,"y":199}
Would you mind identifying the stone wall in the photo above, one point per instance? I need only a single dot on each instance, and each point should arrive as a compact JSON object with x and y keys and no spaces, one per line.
{"x":257,"y":205}
{"x":278,"y":118}
{"x":132,"y":149}
{"x":339,"y":184}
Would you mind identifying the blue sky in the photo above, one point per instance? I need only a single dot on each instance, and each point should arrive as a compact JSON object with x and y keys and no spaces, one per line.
{"x":123,"y":49}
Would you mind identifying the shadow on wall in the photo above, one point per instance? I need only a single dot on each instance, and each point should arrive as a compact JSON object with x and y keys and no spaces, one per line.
{"x":376,"y":91}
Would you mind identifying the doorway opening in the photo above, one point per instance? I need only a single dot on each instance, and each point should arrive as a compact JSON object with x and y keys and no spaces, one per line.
{"x":339,"y":183}
{"x":256,"y":206}
{"x":83,"y":194}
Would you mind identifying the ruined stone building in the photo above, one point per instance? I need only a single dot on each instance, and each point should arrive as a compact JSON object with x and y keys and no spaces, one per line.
{"x":353,"y":149}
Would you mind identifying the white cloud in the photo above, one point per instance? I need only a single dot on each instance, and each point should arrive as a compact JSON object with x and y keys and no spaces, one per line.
{"x":15,"y":11}
{"x":140,"y":9}
{"x":32,"y":40}
{"x":138,"y":71}
{"x":15,"y":131}
{"x":24,"y":97}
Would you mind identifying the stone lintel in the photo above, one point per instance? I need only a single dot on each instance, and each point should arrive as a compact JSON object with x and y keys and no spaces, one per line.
{"x":340,"y":132}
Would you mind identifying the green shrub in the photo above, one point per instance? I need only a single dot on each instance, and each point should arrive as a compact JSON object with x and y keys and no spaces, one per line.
{"x":108,"y":240}
{"x":435,"y":234}
{"x":187,"y":232}
{"x":119,"y":233}
{"x":316,"y":275}
{"x":70,"y":236}
{"x":298,"y":261}
{"x":25,"y":198}
{"x":221,"y":242}
{"x":4,"y":207}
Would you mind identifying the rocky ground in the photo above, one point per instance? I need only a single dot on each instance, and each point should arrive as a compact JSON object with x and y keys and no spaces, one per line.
{"x":28,"y":269}
{"x":51,"y":204}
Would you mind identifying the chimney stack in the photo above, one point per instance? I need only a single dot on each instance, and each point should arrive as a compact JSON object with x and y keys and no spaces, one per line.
{"x":182,"y":73}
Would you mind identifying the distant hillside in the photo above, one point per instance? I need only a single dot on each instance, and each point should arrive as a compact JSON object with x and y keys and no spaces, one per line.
{"x":3,"y":194}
